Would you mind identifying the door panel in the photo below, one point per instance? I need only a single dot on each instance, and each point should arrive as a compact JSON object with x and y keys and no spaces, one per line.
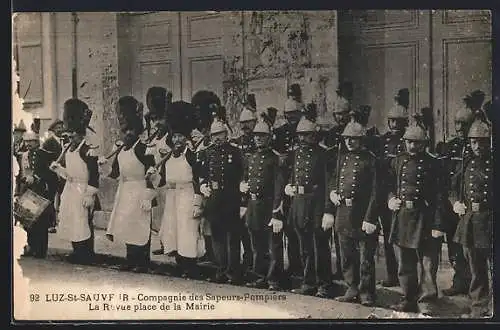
{"x":381,"y":51}
{"x":461,"y":60}
{"x":202,"y":61}
{"x":155,"y":53}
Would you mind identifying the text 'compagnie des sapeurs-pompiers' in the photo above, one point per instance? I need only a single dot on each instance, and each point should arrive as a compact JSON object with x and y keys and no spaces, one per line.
{"x":146,"y":302}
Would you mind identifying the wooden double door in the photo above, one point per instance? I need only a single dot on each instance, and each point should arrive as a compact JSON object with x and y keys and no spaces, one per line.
{"x":440,"y":55}
{"x":179,"y":51}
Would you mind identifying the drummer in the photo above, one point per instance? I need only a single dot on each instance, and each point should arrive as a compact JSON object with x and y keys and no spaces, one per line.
{"x":35,"y":175}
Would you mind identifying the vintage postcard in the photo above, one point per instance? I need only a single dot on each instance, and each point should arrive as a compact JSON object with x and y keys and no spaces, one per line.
{"x":237,"y":165}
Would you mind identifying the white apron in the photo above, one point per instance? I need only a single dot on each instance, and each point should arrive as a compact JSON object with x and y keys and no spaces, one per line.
{"x":179,"y":230}
{"x":157,"y":211}
{"x":73,"y":216}
{"x":129,"y":223}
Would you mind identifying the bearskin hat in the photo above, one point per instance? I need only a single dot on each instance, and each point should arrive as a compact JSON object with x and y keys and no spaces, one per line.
{"x":130,"y":114}
{"x":156,"y":100}
{"x":181,"y":118}
{"x":205,"y":102}
{"x":76,"y":116}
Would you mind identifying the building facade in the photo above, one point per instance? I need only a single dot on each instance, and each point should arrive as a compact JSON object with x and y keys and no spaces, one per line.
{"x":440,"y":55}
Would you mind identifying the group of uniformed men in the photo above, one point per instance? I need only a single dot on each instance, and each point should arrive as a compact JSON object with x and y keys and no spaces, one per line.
{"x":298,"y":189}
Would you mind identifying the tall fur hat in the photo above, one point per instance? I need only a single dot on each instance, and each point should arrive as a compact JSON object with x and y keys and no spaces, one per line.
{"x":76,"y":116}
{"x":182,"y":118}
{"x":130,"y":114}
{"x":205,"y":102}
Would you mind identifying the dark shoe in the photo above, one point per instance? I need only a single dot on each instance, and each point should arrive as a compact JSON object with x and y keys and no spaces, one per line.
{"x":389,"y":283}
{"x":405,"y":306}
{"x":157,"y":252}
{"x":258,"y":284}
{"x":323,"y":292}
{"x":274,"y":287}
{"x":348,"y":298}
{"x":221,"y":279}
{"x":453,"y":291}
{"x":305,"y":290}
{"x":235,"y":280}
{"x":140,"y":269}
{"x":125,"y":267}
{"x":172,"y":254}
{"x":367,"y":301}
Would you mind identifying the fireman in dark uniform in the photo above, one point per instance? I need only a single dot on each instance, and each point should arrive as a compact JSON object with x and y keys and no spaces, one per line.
{"x":53,"y":147}
{"x":352,"y":198}
{"x":473,"y":202}
{"x":206,"y":103}
{"x":246,"y":144}
{"x":18,"y":148}
{"x":263,"y":185}
{"x":220,"y":175}
{"x":415,"y":200}
{"x":453,"y":151}
{"x":283,"y":141}
{"x":35,"y":175}
{"x":306,"y":187}
{"x":332,"y":142}
{"x":391,"y":144}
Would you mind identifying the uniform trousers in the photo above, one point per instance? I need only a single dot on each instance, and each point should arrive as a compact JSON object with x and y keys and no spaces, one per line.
{"x":226,"y":246}
{"x":358,"y":264}
{"x":315,"y":255}
{"x":84,"y":250}
{"x":427,"y":256}
{"x":247,"y":245}
{"x":456,"y":257}
{"x":267,"y":250}
{"x":391,"y":264}
{"x":480,"y":262}
{"x":139,"y":255}
{"x":38,"y":235}
{"x":292,"y":248}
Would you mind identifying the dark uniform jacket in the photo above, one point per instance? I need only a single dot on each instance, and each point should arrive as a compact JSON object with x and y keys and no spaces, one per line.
{"x":247,"y":146}
{"x":92,"y":167}
{"x":308,"y":175}
{"x":53,"y":149}
{"x":147,"y":160}
{"x":221,"y":167}
{"x":266,"y":187}
{"x":356,"y":183}
{"x":390,"y":145}
{"x":475,"y":228}
{"x":415,"y":179}
{"x":38,"y":163}
{"x":450,"y":154}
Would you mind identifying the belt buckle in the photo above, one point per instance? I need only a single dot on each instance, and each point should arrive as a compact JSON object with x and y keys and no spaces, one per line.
{"x":409,"y":204}
{"x":253,"y":196}
{"x":475,"y":207}
{"x":215,"y":185}
{"x":300,"y":190}
{"x":348,"y":202}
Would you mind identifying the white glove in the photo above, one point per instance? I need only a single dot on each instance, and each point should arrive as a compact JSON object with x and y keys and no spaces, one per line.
{"x":29,"y":179}
{"x":244,"y":186}
{"x":328,"y":221}
{"x":437,"y":233}
{"x":459,"y":208}
{"x":88,"y":201}
{"x":146,"y":205}
{"x":59,"y":170}
{"x":243,"y":210}
{"x":394,"y":204}
{"x":368,"y":228}
{"x":335,"y":198}
{"x":154,"y":176}
{"x":276,"y":224}
{"x":205,"y":190}
{"x":289,"y":190}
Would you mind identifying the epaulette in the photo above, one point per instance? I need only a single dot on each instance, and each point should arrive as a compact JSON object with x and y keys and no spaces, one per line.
{"x":236,"y":145}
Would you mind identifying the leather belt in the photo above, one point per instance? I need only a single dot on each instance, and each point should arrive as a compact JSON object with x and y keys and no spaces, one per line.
{"x":478,"y":207}
{"x":301,"y":190}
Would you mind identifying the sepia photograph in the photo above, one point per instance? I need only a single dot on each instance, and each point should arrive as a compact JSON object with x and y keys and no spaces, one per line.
{"x":252,"y":165}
